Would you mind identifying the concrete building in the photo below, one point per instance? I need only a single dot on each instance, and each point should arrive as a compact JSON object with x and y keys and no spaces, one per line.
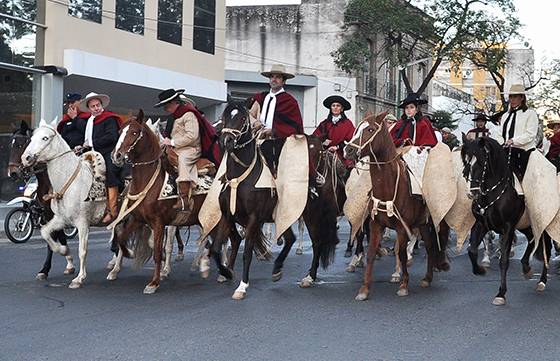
{"x":302,"y":36}
{"x":129,"y":49}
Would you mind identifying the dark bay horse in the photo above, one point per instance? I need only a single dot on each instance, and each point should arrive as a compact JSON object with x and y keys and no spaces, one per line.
{"x":20,"y":140}
{"x":255,"y":206}
{"x":392,"y":205}
{"x":498,"y":207}
{"x":140,"y":147}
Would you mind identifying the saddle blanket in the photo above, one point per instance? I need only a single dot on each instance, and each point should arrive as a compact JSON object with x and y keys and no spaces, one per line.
{"x":416,"y":162}
{"x":169,"y":188}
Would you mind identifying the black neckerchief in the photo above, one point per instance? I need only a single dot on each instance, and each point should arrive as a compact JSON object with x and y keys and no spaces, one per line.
{"x":411,"y":122}
{"x":511,"y":132}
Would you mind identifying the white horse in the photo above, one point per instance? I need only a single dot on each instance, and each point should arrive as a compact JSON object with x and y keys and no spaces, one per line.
{"x":71,"y":178}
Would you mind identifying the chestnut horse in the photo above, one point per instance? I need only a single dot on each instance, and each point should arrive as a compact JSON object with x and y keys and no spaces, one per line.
{"x":20,"y":139}
{"x":392,"y":205}
{"x":255,"y":206}
{"x":139,"y":146}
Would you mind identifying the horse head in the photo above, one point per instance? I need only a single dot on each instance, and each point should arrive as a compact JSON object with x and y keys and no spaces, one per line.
{"x":20,"y":138}
{"x":128,"y":148}
{"x":236,"y":126}
{"x":365,"y":140}
{"x":45,"y":144}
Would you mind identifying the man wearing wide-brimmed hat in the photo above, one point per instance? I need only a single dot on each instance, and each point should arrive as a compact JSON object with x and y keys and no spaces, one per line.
{"x":72,"y":127}
{"x":191,"y":136}
{"x":479,"y":129}
{"x":413,"y":128}
{"x":553,"y":153}
{"x":276,"y":110}
{"x":518,"y":129}
{"x":101,"y":134}
{"x":336,"y":129}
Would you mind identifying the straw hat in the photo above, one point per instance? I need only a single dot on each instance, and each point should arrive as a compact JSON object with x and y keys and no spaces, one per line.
{"x":278,"y":69}
{"x":103,"y":98}
{"x":553,"y":120}
{"x":517,"y":89}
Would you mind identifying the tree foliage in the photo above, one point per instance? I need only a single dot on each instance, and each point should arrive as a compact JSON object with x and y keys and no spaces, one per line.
{"x":547,"y":97}
{"x":444,"y":29}
{"x":441,"y":119}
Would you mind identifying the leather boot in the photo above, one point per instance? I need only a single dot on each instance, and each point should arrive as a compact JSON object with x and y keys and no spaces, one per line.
{"x":112,"y":207}
{"x":184,"y":201}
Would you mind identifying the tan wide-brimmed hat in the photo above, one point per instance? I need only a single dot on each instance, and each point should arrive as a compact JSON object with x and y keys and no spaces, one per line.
{"x":278,"y":69}
{"x":103,"y":98}
{"x":517,"y":89}
{"x":552,"y":120}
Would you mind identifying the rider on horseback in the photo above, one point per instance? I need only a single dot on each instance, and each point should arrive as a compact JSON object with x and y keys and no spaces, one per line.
{"x":101,"y":135}
{"x":72,"y":127}
{"x":337,"y":128}
{"x":480,"y":129}
{"x":518,"y":129}
{"x":413,"y":128}
{"x":183,"y":133}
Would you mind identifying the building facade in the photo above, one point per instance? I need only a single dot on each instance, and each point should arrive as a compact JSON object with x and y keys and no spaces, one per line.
{"x":128,"y":49}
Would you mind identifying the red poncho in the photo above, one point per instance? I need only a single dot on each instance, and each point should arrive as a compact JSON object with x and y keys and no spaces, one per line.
{"x":423,"y":130}
{"x":287,"y":117}
{"x":554,"y":150}
{"x":338,"y":133}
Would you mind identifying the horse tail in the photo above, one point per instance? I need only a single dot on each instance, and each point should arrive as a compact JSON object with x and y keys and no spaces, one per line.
{"x":328,"y":235}
{"x":539,"y":253}
{"x":142,"y":250}
{"x":262,"y":247}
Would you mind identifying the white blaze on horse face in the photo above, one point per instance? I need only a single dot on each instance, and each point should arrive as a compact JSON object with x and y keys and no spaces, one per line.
{"x":121,"y":138}
{"x":359,"y":131}
{"x":39,"y":141}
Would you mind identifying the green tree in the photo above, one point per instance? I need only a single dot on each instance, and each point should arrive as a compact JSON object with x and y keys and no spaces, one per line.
{"x":441,"y":30}
{"x":441,"y":119}
{"x":547,"y":96}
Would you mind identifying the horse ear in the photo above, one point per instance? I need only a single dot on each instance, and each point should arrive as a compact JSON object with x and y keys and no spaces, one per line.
{"x":54,"y":123}
{"x":140,"y":116}
{"x":464,"y":138}
{"x":42,"y":123}
{"x":23,"y":127}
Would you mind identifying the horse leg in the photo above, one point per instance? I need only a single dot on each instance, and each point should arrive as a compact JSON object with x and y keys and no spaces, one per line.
{"x":507,"y":240}
{"x":477,"y":232}
{"x":301,"y":230}
{"x":61,"y":238}
{"x":169,"y":235}
{"x":44,"y":272}
{"x":428,"y":235}
{"x":221,"y":235}
{"x":396,"y":276}
{"x":235,"y":240}
{"x":83,"y":235}
{"x":531,"y":243}
{"x":402,"y":239}
{"x":157,"y":229}
{"x":410,"y":249}
{"x":56,"y":223}
{"x":440,"y":247}
{"x":375,"y":238}
{"x":253,"y":230}
{"x":180,"y":245}
{"x":357,"y":259}
{"x":289,"y":240}
{"x":547,"y":247}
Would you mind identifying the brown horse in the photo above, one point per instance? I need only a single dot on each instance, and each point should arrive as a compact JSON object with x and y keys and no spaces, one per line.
{"x":391,"y":203}
{"x":20,"y":140}
{"x":255,"y":206}
{"x":140,"y":147}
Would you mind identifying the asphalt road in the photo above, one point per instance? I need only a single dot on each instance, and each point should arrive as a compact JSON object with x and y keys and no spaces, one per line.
{"x":194,"y":319}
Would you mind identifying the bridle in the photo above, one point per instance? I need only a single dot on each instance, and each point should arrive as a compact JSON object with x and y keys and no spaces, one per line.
{"x":237,"y":135}
{"x":368,"y":143}
{"x":126,"y":154}
{"x":36,"y":155}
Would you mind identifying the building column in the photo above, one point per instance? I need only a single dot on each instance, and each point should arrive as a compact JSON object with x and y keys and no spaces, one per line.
{"x":51,"y":97}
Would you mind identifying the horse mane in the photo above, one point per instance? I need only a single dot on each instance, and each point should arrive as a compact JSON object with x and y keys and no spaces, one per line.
{"x":241,"y":108}
{"x":384,"y":142}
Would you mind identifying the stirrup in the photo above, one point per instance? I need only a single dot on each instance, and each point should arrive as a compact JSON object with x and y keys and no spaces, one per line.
{"x":320,"y":180}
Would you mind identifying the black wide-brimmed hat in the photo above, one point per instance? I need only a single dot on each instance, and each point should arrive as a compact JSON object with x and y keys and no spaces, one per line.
{"x":337,"y":99}
{"x":171,"y":94}
{"x":480,"y":117}
{"x":412,"y":98}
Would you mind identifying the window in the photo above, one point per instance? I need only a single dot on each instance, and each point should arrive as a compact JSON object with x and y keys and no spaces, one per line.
{"x":204,"y":25}
{"x":86,"y":9}
{"x":170,"y":21}
{"x":130,"y":16}
{"x":17,"y":38}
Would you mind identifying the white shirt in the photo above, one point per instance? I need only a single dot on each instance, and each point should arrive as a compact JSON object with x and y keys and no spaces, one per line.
{"x":88,"y":137}
{"x":525,"y":132}
{"x":269,"y":106}
{"x":336,"y":118}
{"x":439,"y":136}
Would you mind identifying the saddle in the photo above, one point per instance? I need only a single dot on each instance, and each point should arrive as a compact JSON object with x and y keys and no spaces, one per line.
{"x":204,"y":166}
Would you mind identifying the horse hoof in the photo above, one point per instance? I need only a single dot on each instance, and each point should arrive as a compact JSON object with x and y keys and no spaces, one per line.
{"x":306,"y":282}
{"x":164,"y":275}
{"x":41,"y":276}
{"x":69,"y":271}
{"x":351,"y":269}
{"x":395,"y":278}
{"x":541,"y":286}
{"x":360,"y":264}
{"x":75,"y":285}
{"x":528,"y":275}
{"x":499,"y":301}
{"x":362,"y":296}
{"x":424,"y":284}
{"x":402,"y":292}
{"x":150,"y":290}
{"x":110,"y":265}
{"x":485,"y":264}
{"x":221,"y":279}
{"x":205,"y":274}
{"x":111,"y":276}
{"x":347,"y":254}
{"x":180,"y":257}
{"x":480,"y":271}
{"x":276,"y":276}
{"x":238,"y":296}
{"x":299,"y":251}
{"x":63,"y":250}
